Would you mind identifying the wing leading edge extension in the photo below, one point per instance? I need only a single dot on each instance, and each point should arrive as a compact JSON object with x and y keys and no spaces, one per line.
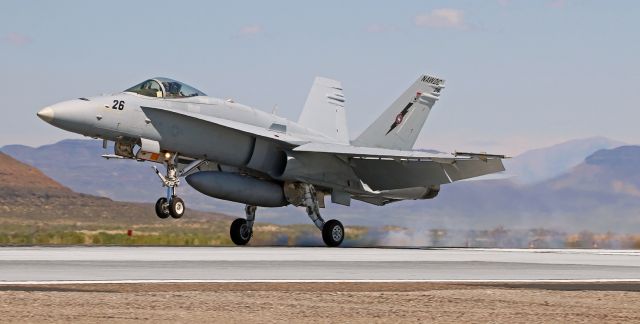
{"x":241,"y":127}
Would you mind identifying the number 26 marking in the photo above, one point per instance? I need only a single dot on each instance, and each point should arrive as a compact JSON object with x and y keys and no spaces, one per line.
{"x":118,"y":104}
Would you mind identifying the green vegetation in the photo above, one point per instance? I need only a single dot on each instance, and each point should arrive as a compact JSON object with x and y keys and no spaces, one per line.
{"x":176,"y":233}
{"x":214,"y":232}
{"x":13,"y":234}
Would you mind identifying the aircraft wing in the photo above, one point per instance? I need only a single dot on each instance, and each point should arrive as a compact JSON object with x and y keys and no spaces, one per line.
{"x":385,"y":169}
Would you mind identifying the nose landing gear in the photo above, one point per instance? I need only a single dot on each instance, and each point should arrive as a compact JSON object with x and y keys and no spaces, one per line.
{"x":171,"y":205}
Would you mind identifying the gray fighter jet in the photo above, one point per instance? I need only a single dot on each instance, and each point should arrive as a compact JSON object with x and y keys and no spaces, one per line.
{"x":234,"y":152}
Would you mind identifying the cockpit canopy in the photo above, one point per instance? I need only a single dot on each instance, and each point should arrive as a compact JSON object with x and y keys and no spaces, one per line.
{"x":165,"y":88}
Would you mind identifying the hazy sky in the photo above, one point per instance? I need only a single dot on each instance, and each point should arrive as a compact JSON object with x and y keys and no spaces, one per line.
{"x":520,"y":74}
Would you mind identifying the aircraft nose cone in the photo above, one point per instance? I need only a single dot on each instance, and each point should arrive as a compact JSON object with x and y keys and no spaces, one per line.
{"x":46,"y":114}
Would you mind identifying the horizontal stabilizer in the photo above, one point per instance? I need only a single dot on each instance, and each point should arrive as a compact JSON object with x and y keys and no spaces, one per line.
{"x":392,"y":174}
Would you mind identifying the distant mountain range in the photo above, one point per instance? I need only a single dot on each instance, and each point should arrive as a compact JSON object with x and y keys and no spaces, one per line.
{"x":582,"y":184}
{"x":602,"y":193}
{"x":29,"y":196}
{"x":78,"y":165}
{"x":545,"y":163}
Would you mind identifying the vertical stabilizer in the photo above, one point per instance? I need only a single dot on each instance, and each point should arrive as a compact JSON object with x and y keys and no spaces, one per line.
{"x":399,"y":126}
{"x":324,"y":110}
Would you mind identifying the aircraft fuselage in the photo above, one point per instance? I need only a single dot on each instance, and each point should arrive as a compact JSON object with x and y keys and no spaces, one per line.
{"x":129,"y":115}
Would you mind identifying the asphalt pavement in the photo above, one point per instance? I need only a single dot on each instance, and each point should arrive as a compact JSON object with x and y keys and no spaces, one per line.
{"x":211,"y":264}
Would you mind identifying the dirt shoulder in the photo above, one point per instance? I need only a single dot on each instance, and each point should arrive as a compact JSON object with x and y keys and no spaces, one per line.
{"x":320,"y":302}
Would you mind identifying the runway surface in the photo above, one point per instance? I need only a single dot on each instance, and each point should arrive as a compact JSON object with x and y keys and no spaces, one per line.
{"x":186,"y":264}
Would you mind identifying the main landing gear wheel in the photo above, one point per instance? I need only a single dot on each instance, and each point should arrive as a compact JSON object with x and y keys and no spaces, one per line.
{"x":176,"y":207}
{"x":240,"y":232}
{"x":162,"y":208}
{"x":332,"y":233}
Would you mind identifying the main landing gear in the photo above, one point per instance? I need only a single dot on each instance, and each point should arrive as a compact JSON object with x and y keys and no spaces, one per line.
{"x":171,"y":205}
{"x":242,"y":229}
{"x":332,"y":231}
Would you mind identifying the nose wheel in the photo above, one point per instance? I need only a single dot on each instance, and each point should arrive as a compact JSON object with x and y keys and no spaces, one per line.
{"x":162,"y":208}
{"x":175,"y":208}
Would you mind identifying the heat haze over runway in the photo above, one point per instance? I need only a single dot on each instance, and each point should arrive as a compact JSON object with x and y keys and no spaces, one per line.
{"x":160,"y":264}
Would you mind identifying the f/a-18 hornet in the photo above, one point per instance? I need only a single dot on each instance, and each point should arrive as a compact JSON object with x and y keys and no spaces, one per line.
{"x":234,"y":152}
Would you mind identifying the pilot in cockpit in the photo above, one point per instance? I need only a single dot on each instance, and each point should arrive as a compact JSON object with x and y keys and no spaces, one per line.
{"x":173,"y":89}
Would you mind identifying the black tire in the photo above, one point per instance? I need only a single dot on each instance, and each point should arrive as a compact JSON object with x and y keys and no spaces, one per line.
{"x":162,"y":208}
{"x":240,"y":232}
{"x":333,"y":233}
{"x":177,"y":208}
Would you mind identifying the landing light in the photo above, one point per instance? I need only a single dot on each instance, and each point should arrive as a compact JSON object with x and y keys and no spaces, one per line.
{"x":167,"y":155}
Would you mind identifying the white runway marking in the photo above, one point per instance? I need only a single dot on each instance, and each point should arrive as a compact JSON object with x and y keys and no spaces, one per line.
{"x":281,"y":264}
{"x":76,"y":282}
